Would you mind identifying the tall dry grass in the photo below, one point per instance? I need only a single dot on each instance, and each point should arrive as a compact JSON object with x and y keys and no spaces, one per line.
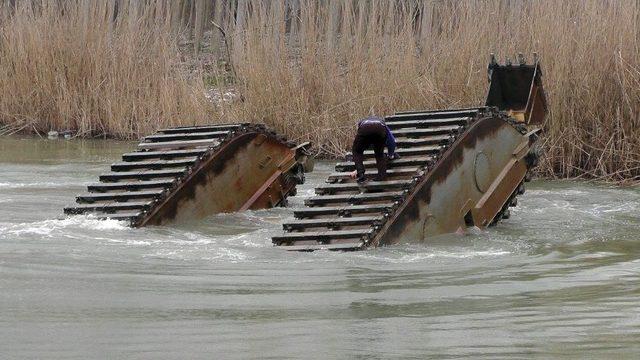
{"x":311,"y":68}
{"x":351,"y":58}
{"x":86,"y":65}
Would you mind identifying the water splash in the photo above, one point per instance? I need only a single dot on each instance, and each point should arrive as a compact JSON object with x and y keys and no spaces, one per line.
{"x":50,"y":228}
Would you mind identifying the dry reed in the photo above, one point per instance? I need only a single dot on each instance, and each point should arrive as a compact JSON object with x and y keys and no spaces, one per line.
{"x":76,"y":65}
{"x":311,"y":68}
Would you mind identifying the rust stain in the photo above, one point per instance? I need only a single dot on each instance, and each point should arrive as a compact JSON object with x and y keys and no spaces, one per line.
{"x":223,"y":163}
{"x":410,"y":215}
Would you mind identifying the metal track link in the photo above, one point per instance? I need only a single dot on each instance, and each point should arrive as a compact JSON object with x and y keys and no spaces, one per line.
{"x":352,"y":211}
{"x":162,"y":163}
{"x":347,"y":216}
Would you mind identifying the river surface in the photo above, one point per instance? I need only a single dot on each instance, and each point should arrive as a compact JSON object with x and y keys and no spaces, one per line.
{"x":559,"y":279}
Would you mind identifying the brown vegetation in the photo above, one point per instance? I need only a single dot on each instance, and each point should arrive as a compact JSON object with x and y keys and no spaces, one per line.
{"x":76,"y":65}
{"x":312,"y":68}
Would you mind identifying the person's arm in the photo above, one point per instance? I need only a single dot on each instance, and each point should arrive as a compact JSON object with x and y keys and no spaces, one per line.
{"x":391,"y":143}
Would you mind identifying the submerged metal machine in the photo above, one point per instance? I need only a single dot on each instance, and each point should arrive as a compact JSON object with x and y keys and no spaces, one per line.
{"x":458,"y":168}
{"x":187,"y":173}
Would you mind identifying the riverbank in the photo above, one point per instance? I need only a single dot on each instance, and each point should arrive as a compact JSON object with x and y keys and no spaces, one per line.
{"x":310,"y":69}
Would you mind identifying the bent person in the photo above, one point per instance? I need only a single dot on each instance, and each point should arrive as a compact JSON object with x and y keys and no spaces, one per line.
{"x":373,"y":132}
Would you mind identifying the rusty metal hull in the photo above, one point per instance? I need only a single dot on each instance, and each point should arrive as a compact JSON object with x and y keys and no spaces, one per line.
{"x":231,"y":179}
{"x":189,"y":173}
{"x":468,"y":176}
{"x":458,"y":168}
{"x":470,"y":185}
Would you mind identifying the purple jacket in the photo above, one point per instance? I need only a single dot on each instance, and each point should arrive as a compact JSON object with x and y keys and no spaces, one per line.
{"x":391,"y":140}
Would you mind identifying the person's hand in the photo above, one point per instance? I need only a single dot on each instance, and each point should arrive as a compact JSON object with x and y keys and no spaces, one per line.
{"x":353,"y":174}
{"x":393,"y":156}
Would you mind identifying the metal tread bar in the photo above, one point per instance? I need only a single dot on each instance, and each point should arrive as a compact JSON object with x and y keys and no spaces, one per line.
{"x":201,"y":128}
{"x":119,"y":196}
{"x":324,"y":235}
{"x":134,"y":185}
{"x":402,"y":162}
{"x":125,"y":216}
{"x":399,"y":171}
{"x":178,"y":144}
{"x":355,"y":199}
{"x":185,"y":136}
{"x":404,"y":142}
{"x":335,"y":246}
{"x":433,"y":114}
{"x":414,"y":132}
{"x":156,"y":164}
{"x":409,"y":151}
{"x":164,"y":155}
{"x":141,"y":175}
{"x":367,"y":186}
{"x":342,"y":210}
{"x":109,"y":207}
{"x":428,"y":123}
{"x":331,"y":222}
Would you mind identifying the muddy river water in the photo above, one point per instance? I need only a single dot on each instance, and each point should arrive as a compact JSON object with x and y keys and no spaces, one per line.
{"x":559,"y":279}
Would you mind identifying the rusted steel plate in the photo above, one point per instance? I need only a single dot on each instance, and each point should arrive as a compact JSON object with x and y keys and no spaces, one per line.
{"x":192,"y":172}
{"x":470,"y":164}
{"x":438,"y":203}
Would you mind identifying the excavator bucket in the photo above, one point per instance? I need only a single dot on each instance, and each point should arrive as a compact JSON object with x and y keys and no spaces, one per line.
{"x":517,"y":89}
{"x":187,"y":173}
{"x":458,"y":168}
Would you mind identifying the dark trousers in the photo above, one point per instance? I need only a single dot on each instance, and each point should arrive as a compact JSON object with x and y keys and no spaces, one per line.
{"x":373,"y":134}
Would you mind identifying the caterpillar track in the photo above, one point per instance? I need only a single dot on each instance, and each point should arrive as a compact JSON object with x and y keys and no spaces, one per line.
{"x":187,"y":173}
{"x":458,"y":168}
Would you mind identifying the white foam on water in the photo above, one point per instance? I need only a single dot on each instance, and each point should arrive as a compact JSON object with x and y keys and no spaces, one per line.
{"x":132,"y":242}
{"x":251,"y":240}
{"x":219,"y":254}
{"x":623,"y":208}
{"x":380,"y":255}
{"x":49,"y":227}
{"x":555,"y":193}
{"x":230,"y":255}
{"x":33,"y":185}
